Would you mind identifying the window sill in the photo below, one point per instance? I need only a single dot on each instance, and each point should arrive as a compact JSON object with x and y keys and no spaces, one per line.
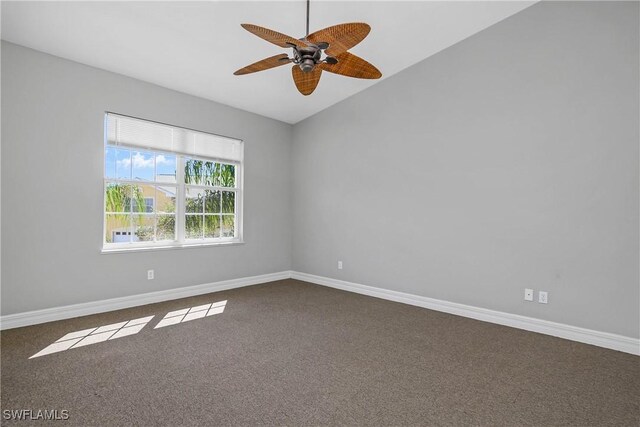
{"x":169,"y":247}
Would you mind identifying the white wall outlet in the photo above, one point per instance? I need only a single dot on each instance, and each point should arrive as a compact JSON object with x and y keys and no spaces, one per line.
{"x":543,"y":297}
{"x":528,"y":294}
{"x":149,"y":274}
{"x":339,"y":265}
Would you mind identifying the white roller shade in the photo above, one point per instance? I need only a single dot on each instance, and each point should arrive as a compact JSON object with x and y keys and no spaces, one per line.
{"x":137,"y":133}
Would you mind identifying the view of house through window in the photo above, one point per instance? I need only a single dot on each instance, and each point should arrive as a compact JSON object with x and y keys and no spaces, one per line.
{"x":169,"y":186}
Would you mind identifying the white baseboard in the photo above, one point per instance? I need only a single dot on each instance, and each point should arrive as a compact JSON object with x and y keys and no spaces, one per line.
{"x":574,"y":333}
{"x":66,"y":312}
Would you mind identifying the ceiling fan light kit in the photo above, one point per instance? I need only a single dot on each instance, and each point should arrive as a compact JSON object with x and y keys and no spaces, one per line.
{"x":332,"y":42}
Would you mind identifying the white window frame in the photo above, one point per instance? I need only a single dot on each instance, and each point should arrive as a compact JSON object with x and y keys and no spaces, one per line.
{"x":180,"y":209}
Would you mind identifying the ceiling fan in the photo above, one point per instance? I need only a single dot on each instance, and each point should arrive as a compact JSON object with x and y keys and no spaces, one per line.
{"x":308,"y":51}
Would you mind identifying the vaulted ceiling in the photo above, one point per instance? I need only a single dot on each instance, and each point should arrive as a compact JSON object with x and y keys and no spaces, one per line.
{"x":194,"y":47}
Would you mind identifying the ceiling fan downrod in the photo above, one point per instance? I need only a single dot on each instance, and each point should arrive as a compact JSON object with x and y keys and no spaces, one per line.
{"x":307,"y":33}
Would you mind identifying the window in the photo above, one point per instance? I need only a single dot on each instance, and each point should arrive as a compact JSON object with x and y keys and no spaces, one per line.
{"x":148,"y":204}
{"x":169,"y":186}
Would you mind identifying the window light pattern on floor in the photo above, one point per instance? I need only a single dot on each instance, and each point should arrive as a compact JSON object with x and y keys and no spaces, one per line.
{"x":95,"y":335}
{"x":186,"y":314}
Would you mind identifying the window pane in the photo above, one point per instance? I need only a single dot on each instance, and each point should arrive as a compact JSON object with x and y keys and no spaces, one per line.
{"x":201,"y":172}
{"x":211,"y":226}
{"x":228,"y":202}
{"x":149,"y":204}
{"x":210,"y":173}
{"x":166,"y":227}
{"x":117,"y":228}
{"x":227,"y":176}
{"x":228,"y":226}
{"x":165,"y":199}
{"x":117,"y":197}
{"x":193,"y":226}
{"x":165,"y":168}
{"x":193,"y":171}
{"x":138,"y":195}
{"x":143,"y":165}
{"x":194,"y":200}
{"x":143,"y":228}
{"x":212,"y":201}
{"x":110,"y":162}
{"x":123,"y":163}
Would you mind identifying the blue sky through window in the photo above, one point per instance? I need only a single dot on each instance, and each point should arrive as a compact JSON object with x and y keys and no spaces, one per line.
{"x":142,"y":163}
{"x":165,"y":166}
{"x":110,"y":162}
{"x":122,"y":163}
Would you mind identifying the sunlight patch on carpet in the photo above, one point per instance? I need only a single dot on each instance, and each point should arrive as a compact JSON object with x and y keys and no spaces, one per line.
{"x":186,"y":314}
{"x":95,"y":335}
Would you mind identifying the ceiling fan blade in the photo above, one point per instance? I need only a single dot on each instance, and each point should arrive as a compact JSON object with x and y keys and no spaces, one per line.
{"x":274,"y":37}
{"x":265,"y":64}
{"x":306,"y":82}
{"x":352,"y":66}
{"x":341,"y":37}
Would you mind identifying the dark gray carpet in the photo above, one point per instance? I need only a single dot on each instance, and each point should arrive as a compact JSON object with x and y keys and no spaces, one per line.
{"x":292,"y":353}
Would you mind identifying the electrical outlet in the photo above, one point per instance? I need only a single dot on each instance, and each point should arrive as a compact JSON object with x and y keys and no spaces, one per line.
{"x":149,"y":274}
{"x":339,"y":265}
{"x":543,"y":297}
{"x":528,"y":294}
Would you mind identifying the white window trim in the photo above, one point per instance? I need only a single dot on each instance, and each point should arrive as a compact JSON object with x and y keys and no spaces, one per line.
{"x":181,"y":241}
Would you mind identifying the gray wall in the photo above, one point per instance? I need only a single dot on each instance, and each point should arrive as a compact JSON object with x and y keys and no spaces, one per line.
{"x":52,"y":151}
{"x":509,"y":160}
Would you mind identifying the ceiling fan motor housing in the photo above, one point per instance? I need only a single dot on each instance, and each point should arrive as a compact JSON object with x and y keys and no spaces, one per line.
{"x":307,"y":58}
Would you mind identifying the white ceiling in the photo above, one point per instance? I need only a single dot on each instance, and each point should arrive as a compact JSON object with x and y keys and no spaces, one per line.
{"x":194,"y":47}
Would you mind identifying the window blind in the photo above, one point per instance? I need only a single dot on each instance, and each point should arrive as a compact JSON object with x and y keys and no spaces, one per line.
{"x":136,"y":133}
